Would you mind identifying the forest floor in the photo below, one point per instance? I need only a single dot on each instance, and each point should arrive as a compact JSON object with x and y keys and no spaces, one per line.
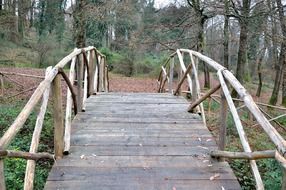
{"x":15,"y":84}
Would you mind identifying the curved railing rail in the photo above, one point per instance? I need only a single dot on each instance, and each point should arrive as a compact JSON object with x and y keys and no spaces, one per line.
{"x":226,"y":79}
{"x":88,"y":70}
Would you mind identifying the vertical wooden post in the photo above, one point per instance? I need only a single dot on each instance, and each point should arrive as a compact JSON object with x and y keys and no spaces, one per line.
{"x":100,"y":82}
{"x":194,"y":86}
{"x":106,"y":76}
{"x":86,"y":82}
{"x":223,"y":123}
{"x":2,"y":176}
{"x":283,"y":183}
{"x":91,"y":72}
{"x":31,"y":164}
{"x":2,"y":84}
{"x":180,"y":75}
{"x":79,"y":75}
{"x":68,"y":118}
{"x":95,"y":82}
{"x":97,"y":70}
{"x":58,"y":118}
{"x":172,"y":62}
{"x":101,"y":74}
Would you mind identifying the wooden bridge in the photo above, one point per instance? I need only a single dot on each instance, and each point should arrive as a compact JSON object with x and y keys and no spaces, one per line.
{"x":137,"y":140}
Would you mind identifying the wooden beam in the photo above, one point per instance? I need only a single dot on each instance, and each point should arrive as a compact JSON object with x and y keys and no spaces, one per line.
{"x":23,"y":75}
{"x":189,"y":68}
{"x":106,"y":75}
{"x":272,"y":119}
{"x":70,"y":97}
{"x":70,"y":88}
{"x":91,"y":72}
{"x":86,"y":64}
{"x":22,"y":92}
{"x":31,"y":164}
{"x":79,"y":75}
{"x":171,"y":76}
{"x":240,"y":130}
{"x":244,"y":155}
{"x":183,"y":67}
{"x":204,"y":97}
{"x":2,"y":175}
{"x":58,"y":118}
{"x":223,"y":123}
{"x":25,"y":155}
{"x":2,"y":84}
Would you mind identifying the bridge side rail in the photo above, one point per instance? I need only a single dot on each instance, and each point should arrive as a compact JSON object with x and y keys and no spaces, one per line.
{"x":88,"y":74}
{"x":189,"y":75}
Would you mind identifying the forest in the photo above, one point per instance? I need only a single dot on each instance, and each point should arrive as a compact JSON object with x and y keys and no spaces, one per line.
{"x":248,"y":37}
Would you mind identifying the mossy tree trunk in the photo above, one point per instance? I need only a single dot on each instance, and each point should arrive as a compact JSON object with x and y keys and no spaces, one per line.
{"x":80,"y":24}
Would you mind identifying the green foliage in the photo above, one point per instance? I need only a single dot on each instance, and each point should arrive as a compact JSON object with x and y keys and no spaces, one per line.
{"x":129,"y":64}
{"x":15,"y":168}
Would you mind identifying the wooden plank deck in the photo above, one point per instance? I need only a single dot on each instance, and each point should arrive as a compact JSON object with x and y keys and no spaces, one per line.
{"x":128,"y":141}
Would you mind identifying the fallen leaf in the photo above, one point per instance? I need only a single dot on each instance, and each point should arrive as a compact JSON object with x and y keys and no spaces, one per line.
{"x":215,"y":176}
{"x":82,"y":156}
{"x":174,"y":188}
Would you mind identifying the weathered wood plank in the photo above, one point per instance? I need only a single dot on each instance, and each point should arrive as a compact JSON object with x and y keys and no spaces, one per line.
{"x":139,"y":141}
{"x":119,"y":184}
{"x":199,"y":152}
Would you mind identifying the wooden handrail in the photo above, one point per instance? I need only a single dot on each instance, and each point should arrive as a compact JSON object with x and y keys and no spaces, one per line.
{"x":61,"y":129}
{"x":225,"y":76}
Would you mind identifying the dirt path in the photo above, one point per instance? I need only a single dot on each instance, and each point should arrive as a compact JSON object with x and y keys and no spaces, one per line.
{"x":15,"y":84}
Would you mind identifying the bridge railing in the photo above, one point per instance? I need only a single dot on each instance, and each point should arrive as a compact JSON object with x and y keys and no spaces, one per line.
{"x":226,"y":79}
{"x":88,"y":74}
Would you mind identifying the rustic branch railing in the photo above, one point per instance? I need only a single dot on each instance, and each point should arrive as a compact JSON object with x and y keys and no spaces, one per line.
{"x":90,"y":68}
{"x":226,"y":79}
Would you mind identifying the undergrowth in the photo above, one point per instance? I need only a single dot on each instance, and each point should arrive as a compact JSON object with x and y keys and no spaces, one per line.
{"x":15,"y":168}
{"x":270,"y":169}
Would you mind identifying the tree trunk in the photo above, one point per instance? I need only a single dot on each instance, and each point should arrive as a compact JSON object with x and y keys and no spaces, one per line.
{"x":21,"y":19}
{"x":283,"y":50}
{"x":200,"y":48}
{"x":242,"y":52}
{"x":259,"y":63}
{"x":1,"y":4}
{"x":274,"y":57}
{"x":226,"y":34}
{"x":31,"y":19}
{"x":80,"y":24}
{"x":278,"y":74}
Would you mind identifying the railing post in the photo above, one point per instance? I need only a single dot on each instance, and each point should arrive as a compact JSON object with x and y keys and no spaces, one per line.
{"x":194,"y":86}
{"x":223,"y":124}
{"x":2,"y":84}
{"x":91,"y":72}
{"x":172,"y":62}
{"x":2,"y":175}
{"x":180,"y":75}
{"x":100,"y":74}
{"x":79,"y":76}
{"x":283,"y":183}
{"x":106,"y":75}
{"x":58,"y":118}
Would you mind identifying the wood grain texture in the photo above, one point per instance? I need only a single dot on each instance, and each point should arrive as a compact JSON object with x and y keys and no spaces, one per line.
{"x":128,"y":141}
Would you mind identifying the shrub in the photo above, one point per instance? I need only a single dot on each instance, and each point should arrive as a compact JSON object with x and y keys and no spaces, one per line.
{"x":15,"y":168}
